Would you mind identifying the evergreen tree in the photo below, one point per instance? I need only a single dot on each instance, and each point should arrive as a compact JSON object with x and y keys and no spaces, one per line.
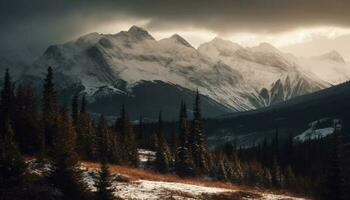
{"x":346,"y":171}
{"x":103,"y":184}
{"x":126,"y":139}
{"x":26,"y":120}
{"x":140,"y":134}
{"x":49,"y":111}
{"x":200,"y":153}
{"x":276,"y":174}
{"x":7,"y":100}
{"x":107,"y":142}
{"x":334,"y":178}
{"x":75,"y":112}
{"x":222,"y":172}
{"x":184,"y":129}
{"x":12,"y":166}
{"x":162,"y":153}
{"x":86,"y":137}
{"x":290,"y":179}
{"x":64,"y":170}
{"x":83,"y":104}
{"x":183,"y":159}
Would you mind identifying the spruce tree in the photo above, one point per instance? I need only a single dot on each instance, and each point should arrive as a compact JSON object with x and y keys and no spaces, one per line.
{"x":162,"y":151}
{"x":26,"y":118}
{"x":49,"y":111}
{"x":7,"y":100}
{"x":64,"y":170}
{"x":183,"y":158}
{"x":334,"y":181}
{"x":75,"y":112}
{"x":290,"y":179}
{"x":200,"y":152}
{"x":346,"y":171}
{"x":103,"y":184}
{"x":83,"y":104}
{"x":140,"y":133}
{"x":276,"y":174}
{"x":107,"y":142}
{"x":86,"y":137}
{"x":126,"y":139}
{"x":12,"y":166}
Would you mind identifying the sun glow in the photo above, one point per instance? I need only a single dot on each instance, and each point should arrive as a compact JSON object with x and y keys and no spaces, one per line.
{"x":288,"y":38}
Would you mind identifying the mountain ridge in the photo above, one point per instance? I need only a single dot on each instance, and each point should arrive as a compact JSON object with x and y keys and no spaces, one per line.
{"x":236,"y":77}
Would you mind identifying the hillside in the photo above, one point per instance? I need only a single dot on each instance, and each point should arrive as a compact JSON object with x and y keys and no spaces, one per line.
{"x":291,"y":117}
{"x":140,"y":184}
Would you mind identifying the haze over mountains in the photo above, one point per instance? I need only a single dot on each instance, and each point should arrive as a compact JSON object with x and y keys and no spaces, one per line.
{"x":132,"y":67}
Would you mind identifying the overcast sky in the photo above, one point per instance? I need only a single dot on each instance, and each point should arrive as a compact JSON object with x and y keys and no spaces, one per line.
{"x":29,"y":26}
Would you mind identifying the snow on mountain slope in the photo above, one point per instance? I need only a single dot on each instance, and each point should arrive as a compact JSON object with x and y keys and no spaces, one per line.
{"x":276,"y":75}
{"x":133,"y":56}
{"x":236,"y":77}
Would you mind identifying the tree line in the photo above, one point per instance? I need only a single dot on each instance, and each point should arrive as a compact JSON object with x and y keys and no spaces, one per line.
{"x":65,"y":135}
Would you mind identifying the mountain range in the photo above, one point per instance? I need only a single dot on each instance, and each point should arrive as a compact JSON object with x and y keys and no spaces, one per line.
{"x":149,"y":75}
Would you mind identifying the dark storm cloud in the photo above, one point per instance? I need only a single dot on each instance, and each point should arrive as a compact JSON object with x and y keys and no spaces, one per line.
{"x":33,"y":24}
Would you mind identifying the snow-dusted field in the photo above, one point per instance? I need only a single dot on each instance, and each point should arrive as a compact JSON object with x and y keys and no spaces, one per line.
{"x":126,"y":188}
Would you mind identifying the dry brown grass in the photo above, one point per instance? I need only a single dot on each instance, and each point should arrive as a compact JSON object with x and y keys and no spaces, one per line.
{"x":232,"y":196}
{"x":137,"y":174}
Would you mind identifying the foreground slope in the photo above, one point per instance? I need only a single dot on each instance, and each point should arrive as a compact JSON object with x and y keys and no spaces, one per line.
{"x":139,"y":184}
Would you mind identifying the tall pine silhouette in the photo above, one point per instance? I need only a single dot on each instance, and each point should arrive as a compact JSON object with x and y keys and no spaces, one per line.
{"x":162,"y":160}
{"x":65,"y":173}
{"x":183,"y":159}
{"x":198,"y":144}
{"x":49,"y":111}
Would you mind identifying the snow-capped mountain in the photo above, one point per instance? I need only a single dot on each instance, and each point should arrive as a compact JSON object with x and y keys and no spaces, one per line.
{"x":230,"y":76}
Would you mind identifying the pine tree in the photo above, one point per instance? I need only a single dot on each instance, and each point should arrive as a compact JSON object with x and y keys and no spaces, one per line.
{"x":26,"y":120}
{"x":64,"y":170}
{"x":49,"y":111}
{"x":222,"y":172}
{"x":162,"y":153}
{"x":75,"y":112}
{"x":200,"y":153}
{"x":86,"y":137}
{"x":334,"y":178}
{"x":290,"y":179}
{"x":107,"y":142}
{"x":140,"y":134}
{"x":126,"y":139}
{"x":83,"y":104}
{"x":183,"y":159}
{"x":346,"y":171}
{"x":276,"y":174}
{"x":12,"y":166}
{"x":184,"y":129}
{"x":7,"y":100}
{"x":103,"y":184}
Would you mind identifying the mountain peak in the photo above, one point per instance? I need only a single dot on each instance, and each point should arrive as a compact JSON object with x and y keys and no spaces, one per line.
{"x":219,"y":41}
{"x":139,"y":33}
{"x":266,"y":47}
{"x":218,"y":46}
{"x":334,"y":56}
{"x":181,"y":40}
